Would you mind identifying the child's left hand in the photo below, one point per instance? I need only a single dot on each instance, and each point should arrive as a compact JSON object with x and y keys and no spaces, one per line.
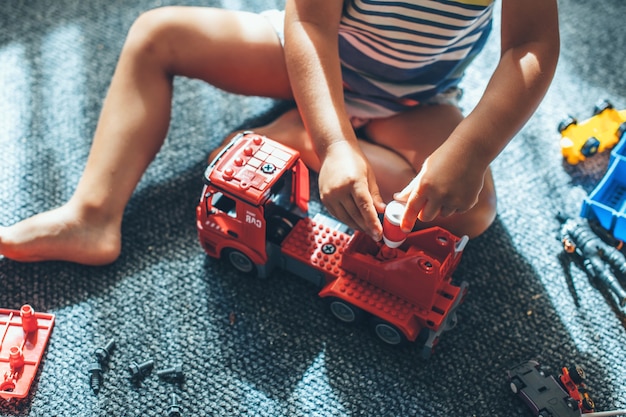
{"x":449,"y":182}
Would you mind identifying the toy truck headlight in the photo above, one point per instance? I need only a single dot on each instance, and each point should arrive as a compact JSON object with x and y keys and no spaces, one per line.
{"x":566,"y":143}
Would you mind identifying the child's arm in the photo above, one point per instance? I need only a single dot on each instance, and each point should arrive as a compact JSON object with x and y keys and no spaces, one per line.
{"x":347,"y":185}
{"x":452,"y":177}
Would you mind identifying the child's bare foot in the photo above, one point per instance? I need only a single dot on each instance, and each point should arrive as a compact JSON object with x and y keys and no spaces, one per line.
{"x":62,"y":234}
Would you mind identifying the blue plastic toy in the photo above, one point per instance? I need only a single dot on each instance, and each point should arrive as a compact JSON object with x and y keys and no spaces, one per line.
{"x":606,"y":204}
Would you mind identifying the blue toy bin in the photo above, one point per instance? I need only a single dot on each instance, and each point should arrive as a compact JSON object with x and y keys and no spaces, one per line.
{"x":607,"y":202}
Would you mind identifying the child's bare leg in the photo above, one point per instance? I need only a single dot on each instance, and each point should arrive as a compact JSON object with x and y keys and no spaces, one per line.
{"x":239,"y":52}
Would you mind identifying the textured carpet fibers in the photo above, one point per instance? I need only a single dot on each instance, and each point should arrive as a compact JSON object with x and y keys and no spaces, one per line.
{"x":269,"y":348}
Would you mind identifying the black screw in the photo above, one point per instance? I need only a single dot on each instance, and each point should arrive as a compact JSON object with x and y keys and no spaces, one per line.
{"x":95,"y":376}
{"x":139,"y":371}
{"x":175,"y":409}
{"x":104,"y":353}
{"x":173,"y":373}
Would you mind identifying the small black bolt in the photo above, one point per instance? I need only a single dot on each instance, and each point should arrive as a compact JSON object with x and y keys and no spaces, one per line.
{"x":104,"y":353}
{"x":175,"y":409}
{"x":139,"y":371}
{"x":173,"y":373}
{"x":95,"y":376}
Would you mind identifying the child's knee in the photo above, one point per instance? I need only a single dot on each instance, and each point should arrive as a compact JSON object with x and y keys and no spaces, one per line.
{"x":287,"y":129}
{"x":481,"y":216}
{"x":151,"y":32}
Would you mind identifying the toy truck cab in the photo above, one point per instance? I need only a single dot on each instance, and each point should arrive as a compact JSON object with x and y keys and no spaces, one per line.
{"x":255,"y":191}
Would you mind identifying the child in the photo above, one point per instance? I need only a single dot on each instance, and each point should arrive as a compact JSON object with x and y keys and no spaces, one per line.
{"x":376,"y":113}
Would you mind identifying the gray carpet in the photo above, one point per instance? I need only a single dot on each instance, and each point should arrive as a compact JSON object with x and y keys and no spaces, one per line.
{"x":283,"y":354}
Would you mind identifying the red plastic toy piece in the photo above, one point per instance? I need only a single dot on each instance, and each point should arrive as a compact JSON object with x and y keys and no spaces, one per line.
{"x":253,"y":212}
{"x":24,"y":336}
{"x":572,"y":379}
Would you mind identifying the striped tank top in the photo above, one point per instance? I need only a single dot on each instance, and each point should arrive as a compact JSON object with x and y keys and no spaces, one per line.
{"x":398,"y":54}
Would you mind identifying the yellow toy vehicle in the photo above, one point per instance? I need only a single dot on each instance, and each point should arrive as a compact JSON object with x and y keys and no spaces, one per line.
{"x":596,"y":134}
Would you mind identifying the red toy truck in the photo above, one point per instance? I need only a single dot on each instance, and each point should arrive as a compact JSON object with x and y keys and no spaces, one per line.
{"x":253,"y":212}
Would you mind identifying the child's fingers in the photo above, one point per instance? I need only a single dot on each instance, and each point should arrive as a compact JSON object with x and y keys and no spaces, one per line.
{"x":403,"y":195}
{"x":429,"y":212}
{"x":414,"y":204}
{"x":357,"y":211}
{"x":365,"y":215}
{"x":446,"y":211}
{"x":414,"y":207}
{"x":377,"y":199}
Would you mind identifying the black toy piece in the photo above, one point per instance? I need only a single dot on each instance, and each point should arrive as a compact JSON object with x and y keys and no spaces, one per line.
{"x":600,"y":259}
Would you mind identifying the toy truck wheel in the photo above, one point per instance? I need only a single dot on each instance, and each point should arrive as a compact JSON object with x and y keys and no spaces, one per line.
{"x":588,"y":404}
{"x":602,"y":106}
{"x":577,"y":373}
{"x":279,"y":228}
{"x":344,"y":311}
{"x":240,"y":261}
{"x":621,"y":130}
{"x":590,"y":147}
{"x":388,"y":333}
{"x":516,"y":385}
{"x":544,"y":413}
{"x":567,"y":122}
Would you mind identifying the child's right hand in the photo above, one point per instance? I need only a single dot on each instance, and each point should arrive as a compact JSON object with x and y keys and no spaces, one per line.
{"x":349,"y":190}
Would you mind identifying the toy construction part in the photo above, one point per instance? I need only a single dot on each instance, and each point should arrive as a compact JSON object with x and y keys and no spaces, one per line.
{"x":24,"y":336}
{"x":139,"y":371}
{"x":600,"y":259}
{"x":546,"y":395}
{"x":393,"y":236}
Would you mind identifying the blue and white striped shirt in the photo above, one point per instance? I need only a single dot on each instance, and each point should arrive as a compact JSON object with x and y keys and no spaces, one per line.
{"x":396,"y":54}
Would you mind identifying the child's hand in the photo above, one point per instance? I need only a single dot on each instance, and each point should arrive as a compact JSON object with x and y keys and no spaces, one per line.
{"x":446,"y":184}
{"x":348,"y":189}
